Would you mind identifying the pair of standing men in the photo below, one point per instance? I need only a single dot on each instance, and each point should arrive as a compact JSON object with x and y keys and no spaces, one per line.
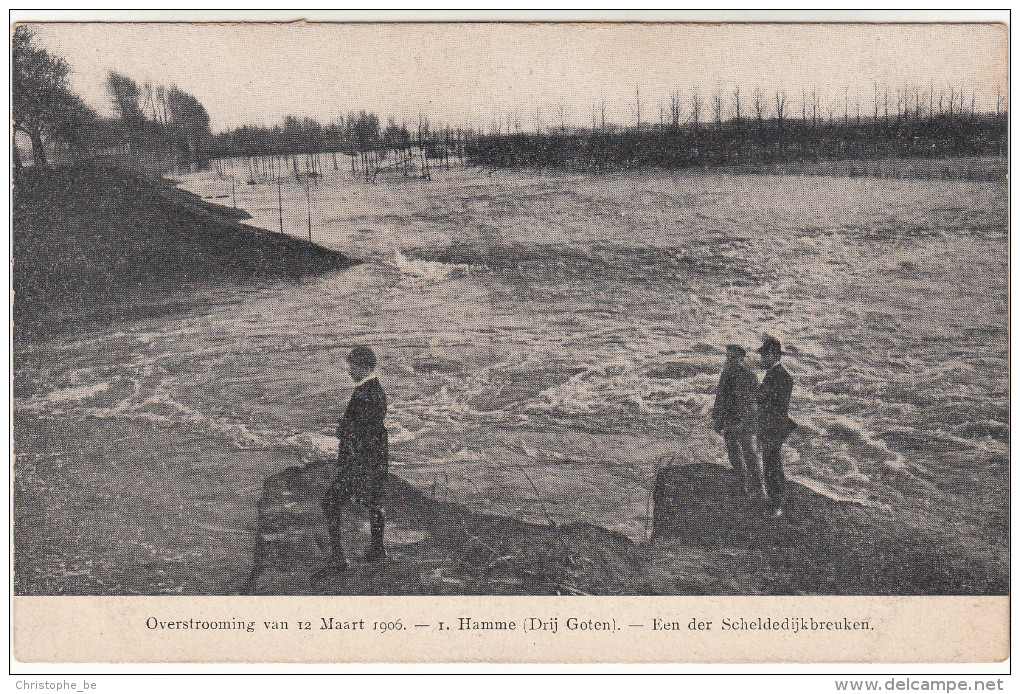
{"x":745,"y":410}
{"x":742,"y":409}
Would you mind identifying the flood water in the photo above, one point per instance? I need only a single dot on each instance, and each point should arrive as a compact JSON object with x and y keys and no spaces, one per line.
{"x":546,"y":341}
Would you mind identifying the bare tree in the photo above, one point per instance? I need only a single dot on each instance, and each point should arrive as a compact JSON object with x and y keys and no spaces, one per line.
{"x":780,"y":106}
{"x":717,"y":107}
{"x":759,"y":107}
{"x":675,"y":109}
{"x":736,"y":105}
{"x":695,"y":108}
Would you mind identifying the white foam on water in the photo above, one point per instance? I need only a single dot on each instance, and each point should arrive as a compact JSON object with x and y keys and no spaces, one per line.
{"x":398,"y":434}
{"x":422,"y":269}
{"x":313,"y":444}
{"x":64,"y":395}
{"x":891,"y":458}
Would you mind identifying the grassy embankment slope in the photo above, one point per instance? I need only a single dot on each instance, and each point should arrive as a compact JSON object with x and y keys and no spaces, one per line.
{"x":95,"y":245}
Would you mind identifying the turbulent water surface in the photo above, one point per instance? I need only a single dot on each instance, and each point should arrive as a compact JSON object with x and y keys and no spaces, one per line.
{"x":546,"y":340}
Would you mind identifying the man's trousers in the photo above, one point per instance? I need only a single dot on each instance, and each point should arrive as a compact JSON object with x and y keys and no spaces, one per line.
{"x":368,"y":487}
{"x":743,"y":457}
{"x":772,"y":462}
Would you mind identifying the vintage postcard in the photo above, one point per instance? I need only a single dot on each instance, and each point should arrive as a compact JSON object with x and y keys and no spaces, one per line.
{"x":555,"y":342}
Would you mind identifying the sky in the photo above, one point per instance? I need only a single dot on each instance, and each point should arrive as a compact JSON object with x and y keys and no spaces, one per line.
{"x":477,"y":74}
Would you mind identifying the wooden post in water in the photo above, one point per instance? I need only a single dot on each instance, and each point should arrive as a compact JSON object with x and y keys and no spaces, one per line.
{"x":279,"y":198}
{"x":308,"y":205}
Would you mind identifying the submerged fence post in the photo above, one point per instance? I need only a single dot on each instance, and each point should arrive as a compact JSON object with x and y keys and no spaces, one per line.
{"x":308,"y":205}
{"x":279,"y":197}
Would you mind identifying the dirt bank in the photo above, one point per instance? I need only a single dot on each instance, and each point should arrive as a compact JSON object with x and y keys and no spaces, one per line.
{"x":708,"y":539}
{"x":95,"y":245}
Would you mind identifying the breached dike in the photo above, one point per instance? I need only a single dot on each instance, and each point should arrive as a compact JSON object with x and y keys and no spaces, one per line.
{"x":96,"y":245}
{"x":707,"y":538}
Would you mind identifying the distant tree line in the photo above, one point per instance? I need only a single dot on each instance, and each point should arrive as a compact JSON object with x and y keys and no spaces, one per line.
{"x":760,"y":129}
{"x":359,"y":136}
{"x":732,"y":129}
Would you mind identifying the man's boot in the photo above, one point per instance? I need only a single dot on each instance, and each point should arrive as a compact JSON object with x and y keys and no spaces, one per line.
{"x":337,"y":560}
{"x":376,"y":551}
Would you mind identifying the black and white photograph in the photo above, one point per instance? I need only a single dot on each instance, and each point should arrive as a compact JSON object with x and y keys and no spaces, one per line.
{"x":510,"y":309}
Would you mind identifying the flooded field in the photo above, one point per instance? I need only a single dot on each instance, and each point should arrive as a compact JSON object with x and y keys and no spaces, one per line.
{"x":546,"y":341}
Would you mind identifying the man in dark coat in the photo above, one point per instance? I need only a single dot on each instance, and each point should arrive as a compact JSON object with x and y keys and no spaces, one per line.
{"x":774,"y":423}
{"x":735,"y":416}
{"x":362,"y":457}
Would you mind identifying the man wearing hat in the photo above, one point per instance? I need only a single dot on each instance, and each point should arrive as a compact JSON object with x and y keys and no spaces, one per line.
{"x":774,"y":423}
{"x":735,"y":416}
{"x":362,"y":457}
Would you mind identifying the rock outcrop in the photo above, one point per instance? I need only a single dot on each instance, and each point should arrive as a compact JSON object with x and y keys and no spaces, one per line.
{"x":708,"y":539}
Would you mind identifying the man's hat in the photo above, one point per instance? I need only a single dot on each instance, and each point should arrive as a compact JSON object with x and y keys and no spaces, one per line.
{"x":770,"y":344}
{"x":362,"y":356}
{"x":736,"y":349}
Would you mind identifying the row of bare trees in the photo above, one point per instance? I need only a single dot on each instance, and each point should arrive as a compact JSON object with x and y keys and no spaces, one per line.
{"x":906,"y":103}
{"x":738,"y":128}
{"x":693,"y":109}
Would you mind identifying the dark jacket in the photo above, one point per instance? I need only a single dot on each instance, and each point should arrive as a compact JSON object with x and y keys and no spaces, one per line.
{"x":735,"y":398}
{"x":361,"y":432}
{"x":774,"y":403}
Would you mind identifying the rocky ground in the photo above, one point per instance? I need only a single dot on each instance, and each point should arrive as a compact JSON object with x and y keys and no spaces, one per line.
{"x":708,"y":539}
